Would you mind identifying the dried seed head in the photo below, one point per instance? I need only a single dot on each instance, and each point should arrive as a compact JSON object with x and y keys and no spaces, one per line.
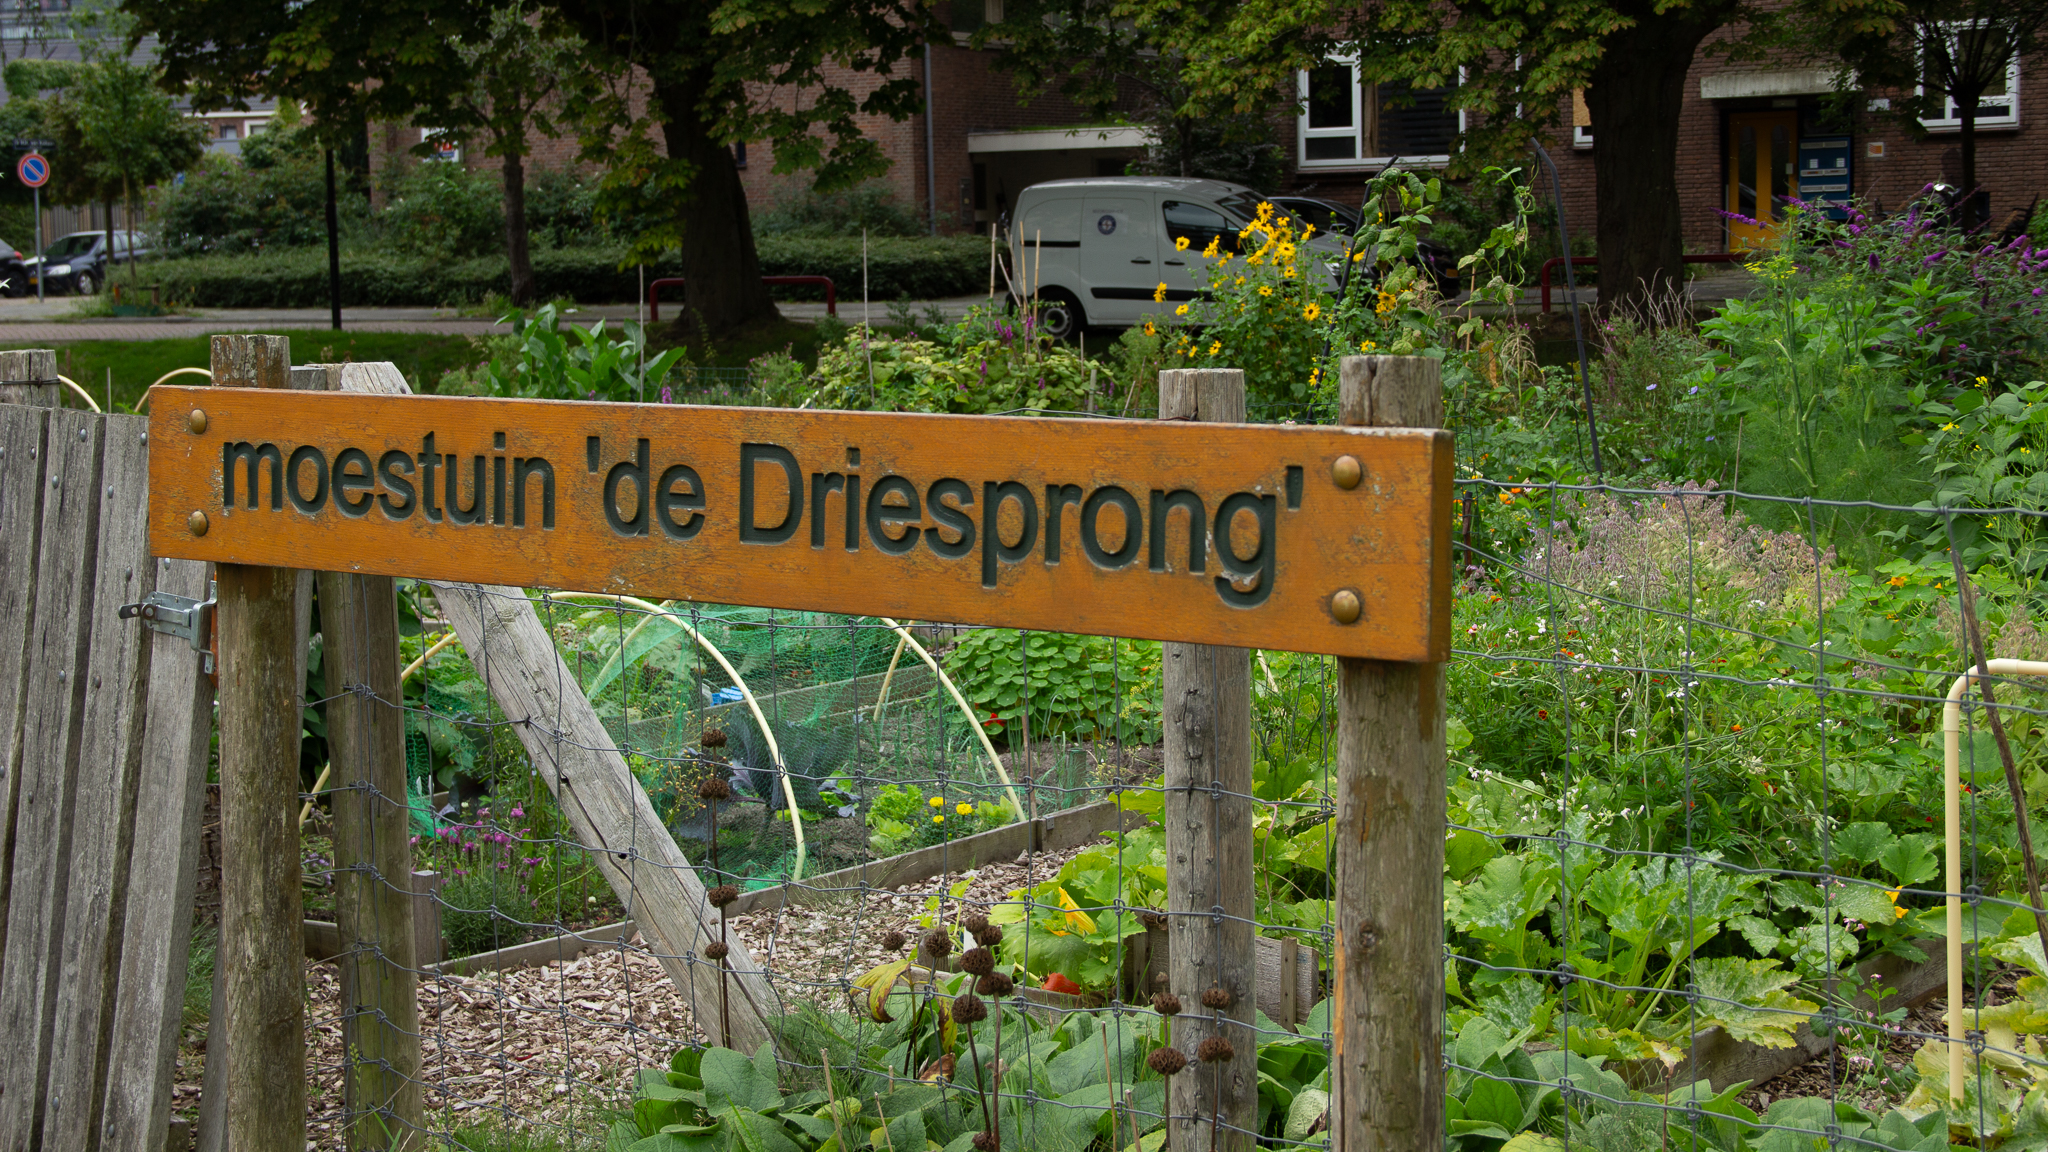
{"x":1166,"y":1061}
{"x":892,"y":941}
{"x":969,"y":1008}
{"x":986,"y":1142}
{"x":995,"y":984}
{"x":1215,"y":1049}
{"x":722,"y":895}
{"x":938,"y":943}
{"x":977,"y":962}
{"x":712,"y":738}
{"x":1166,"y":1003}
{"x":714,"y":788}
{"x":716,"y":950}
{"x":974,"y":924}
{"x":1216,"y":997}
{"x":990,"y":935}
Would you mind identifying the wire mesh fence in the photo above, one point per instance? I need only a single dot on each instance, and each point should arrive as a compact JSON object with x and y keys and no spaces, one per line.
{"x":1696,"y":890}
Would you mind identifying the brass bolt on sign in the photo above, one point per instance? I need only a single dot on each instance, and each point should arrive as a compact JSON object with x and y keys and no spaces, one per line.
{"x":196,"y":421}
{"x":1345,"y":606}
{"x":197,"y":522}
{"x":1346,"y":472}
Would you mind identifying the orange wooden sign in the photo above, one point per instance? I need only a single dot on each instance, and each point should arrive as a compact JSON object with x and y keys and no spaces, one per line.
{"x":1243,"y":535}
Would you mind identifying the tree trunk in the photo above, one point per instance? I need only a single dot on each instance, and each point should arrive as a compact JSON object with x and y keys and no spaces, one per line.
{"x":107,"y":263}
{"x":1967,"y":216}
{"x":128,"y":209}
{"x":516,"y":254}
{"x":721,"y":269}
{"x":1634,"y":97}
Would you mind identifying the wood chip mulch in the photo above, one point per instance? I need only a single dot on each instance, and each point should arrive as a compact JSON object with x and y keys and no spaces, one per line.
{"x":556,"y":1047}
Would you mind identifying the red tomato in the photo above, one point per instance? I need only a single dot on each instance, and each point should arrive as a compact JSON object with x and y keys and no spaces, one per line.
{"x":1054,"y":982}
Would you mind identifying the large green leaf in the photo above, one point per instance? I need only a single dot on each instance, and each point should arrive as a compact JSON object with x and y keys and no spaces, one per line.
{"x":1747,"y":1000}
{"x":1310,"y":1105}
{"x":733,"y":1081}
{"x":1862,"y":841}
{"x":1494,"y":1102}
{"x":1910,"y":861}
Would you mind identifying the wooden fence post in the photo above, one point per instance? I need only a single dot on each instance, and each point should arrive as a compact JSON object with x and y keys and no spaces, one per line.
{"x":29,"y":376}
{"x":260,"y":697}
{"x":1208,"y":822}
{"x":1387,"y":1057}
{"x":373,"y":900}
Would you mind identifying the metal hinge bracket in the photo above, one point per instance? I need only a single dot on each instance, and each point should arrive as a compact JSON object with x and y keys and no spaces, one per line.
{"x":180,"y":616}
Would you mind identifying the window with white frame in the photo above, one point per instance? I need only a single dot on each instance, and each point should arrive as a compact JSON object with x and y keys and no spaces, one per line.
{"x":446,"y":147}
{"x":1998,"y":107}
{"x":1346,"y":123}
{"x":1582,"y":120}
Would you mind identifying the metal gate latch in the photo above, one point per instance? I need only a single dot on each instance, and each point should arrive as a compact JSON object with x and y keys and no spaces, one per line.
{"x":181,"y":616}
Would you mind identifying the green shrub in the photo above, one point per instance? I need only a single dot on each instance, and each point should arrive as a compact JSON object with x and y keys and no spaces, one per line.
{"x":297,"y":277}
{"x":274,"y":195}
{"x":908,"y":268}
{"x":443,"y":210}
{"x":1083,"y":687}
{"x":872,"y":206}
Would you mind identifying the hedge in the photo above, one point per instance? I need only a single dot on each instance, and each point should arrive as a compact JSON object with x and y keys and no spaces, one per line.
{"x":918,"y":268}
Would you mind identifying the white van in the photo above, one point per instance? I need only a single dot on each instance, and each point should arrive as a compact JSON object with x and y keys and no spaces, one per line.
{"x":1094,"y":252}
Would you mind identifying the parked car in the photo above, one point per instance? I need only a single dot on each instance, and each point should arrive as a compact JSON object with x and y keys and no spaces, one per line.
{"x":13,"y":271}
{"x":1330,"y":216}
{"x":1095,"y":251}
{"x":78,"y":262}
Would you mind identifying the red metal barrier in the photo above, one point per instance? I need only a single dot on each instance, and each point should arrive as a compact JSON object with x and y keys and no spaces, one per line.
{"x":1543,"y":276}
{"x":831,"y":292}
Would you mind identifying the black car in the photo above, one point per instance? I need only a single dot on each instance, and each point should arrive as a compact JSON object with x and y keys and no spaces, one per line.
{"x":78,"y":262}
{"x":1331,"y":217}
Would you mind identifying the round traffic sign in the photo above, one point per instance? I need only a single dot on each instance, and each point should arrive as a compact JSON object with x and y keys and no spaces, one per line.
{"x":33,"y":169}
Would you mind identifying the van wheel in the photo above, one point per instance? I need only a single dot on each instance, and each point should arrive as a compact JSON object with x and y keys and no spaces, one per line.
{"x":1060,"y":315}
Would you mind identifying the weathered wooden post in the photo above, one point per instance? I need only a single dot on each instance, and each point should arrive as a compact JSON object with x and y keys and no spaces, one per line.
{"x":260,"y":697}
{"x":373,"y":900}
{"x":1387,"y":1060}
{"x":21,"y":374}
{"x":1208,"y":820}
{"x":29,"y":376}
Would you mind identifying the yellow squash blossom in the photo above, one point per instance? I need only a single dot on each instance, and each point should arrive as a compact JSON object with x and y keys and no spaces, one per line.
{"x":1076,"y":919}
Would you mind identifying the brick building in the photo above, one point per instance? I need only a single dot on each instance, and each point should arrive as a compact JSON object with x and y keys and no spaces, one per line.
{"x":1745,"y":130}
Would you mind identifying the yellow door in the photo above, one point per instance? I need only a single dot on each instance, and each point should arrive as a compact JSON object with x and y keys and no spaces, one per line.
{"x":1763,"y":152}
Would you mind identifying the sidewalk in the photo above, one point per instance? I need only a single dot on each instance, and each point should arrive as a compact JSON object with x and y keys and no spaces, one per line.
{"x":54,"y":321}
